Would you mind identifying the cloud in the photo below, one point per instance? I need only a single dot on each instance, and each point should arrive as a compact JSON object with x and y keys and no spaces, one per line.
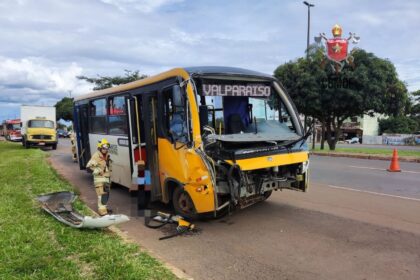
{"x":144,"y":6}
{"x":33,"y":80}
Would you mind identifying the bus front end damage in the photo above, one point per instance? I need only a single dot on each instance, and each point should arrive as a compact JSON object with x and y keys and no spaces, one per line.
{"x":248,"y":172}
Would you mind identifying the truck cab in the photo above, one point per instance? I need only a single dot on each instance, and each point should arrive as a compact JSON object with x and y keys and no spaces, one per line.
{"x":38,"y":126}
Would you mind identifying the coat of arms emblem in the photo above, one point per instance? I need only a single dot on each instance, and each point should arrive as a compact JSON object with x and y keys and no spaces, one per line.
{"x":337,"y":47}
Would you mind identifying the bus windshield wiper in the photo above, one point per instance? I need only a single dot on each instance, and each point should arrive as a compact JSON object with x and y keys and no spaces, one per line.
{"x":304,"y":137}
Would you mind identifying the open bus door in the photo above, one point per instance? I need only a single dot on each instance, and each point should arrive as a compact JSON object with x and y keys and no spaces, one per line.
{"x":83,"y":148}
{"x":148,"y":114}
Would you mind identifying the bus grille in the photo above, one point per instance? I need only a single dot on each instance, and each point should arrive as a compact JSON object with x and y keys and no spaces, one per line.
{"x":42,"y":137}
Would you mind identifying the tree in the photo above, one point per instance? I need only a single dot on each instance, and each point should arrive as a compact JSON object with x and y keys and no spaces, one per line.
{"x":103,"y":82}
{"x":415,"y":107}
{"x":415,"y":104}
{"x":370,"y":85}
{"x":64,"y":109}
{"x":399,"y":124}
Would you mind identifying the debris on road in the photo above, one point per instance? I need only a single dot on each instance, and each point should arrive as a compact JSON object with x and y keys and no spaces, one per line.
{"x":59,"y":205}
{"x":163,"y":219}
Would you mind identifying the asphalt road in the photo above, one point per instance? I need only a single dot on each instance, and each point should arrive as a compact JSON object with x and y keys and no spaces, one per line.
{"x":367,"y":175}
{"x":353,"y":223}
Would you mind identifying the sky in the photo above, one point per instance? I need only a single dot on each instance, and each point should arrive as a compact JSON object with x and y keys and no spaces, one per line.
{"x":45,"y":44}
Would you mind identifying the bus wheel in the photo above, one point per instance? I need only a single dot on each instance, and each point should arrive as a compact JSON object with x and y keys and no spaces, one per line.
{"x":183,"y":204}
{"x":54,"y":146}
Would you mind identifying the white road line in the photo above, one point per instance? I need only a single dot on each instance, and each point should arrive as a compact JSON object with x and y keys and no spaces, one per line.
{"x":373,"y":168}
{"x":374,"y":193}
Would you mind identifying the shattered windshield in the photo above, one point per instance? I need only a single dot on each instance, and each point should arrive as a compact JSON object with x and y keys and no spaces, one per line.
{"x":248,"y":118}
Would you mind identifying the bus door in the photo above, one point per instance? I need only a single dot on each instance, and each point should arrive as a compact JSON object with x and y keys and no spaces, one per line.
{"x":83,"y":147}
{"x":149,"y":114}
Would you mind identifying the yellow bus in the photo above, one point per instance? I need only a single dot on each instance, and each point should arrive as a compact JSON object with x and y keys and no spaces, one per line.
{"x":205,"y":139}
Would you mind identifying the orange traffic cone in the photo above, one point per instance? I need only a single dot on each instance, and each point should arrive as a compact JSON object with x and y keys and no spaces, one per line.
{"x":395,"y":166}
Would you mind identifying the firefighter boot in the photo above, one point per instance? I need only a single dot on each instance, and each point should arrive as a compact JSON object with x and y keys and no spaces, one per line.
{"x":102,"y":199}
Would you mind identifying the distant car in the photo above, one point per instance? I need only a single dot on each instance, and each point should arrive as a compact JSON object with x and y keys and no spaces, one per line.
{"x":61,"y":133}
{"x":354,"y":140}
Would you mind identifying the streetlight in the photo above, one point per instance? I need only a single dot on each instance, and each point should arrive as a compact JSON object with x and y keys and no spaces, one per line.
{"x":309,"y":5}
{"x":309,"y":24}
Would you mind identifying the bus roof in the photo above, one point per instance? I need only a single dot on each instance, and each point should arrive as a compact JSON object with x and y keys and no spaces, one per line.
{"x":191,"y":71}
{"x":228,"y":71}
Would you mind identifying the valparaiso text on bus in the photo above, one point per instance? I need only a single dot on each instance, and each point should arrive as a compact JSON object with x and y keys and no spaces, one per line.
{"x":206,"y":139}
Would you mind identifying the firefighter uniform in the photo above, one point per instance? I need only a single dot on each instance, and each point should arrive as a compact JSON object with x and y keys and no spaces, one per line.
{"x":100,"y":165}
{"x":73,"y":146}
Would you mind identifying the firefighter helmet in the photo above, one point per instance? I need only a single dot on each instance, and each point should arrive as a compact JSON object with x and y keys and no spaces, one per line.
{"x":103,"y":144}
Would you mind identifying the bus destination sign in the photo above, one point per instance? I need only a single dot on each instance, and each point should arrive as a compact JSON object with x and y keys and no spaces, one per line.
{"x":256,"y":90}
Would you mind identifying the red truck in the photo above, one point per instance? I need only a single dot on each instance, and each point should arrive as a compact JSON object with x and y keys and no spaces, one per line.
{"x":11,"y":130}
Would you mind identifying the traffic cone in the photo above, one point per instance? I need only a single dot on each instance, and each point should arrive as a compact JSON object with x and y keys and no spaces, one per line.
{"x":395,"y":166}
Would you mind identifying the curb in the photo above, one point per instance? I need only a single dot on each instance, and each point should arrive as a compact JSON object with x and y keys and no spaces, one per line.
{"x":360,"y":156}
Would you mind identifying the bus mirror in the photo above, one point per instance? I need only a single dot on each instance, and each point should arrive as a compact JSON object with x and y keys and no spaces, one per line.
{"x":177,"y":96}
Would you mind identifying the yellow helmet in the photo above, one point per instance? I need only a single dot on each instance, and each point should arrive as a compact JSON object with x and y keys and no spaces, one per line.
{"x":102,"y":143}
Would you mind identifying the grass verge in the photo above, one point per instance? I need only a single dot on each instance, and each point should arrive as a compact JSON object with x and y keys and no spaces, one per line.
{"x":370,"y":151}
{"x":36,"y":246}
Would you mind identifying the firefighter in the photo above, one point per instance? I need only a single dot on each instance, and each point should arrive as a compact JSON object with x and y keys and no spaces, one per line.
{"x":73,"y":146}
{"x":100,"y":165}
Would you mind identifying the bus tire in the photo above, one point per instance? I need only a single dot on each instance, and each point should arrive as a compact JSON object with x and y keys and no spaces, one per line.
{"x":54,"y":146}
{"x":183,"y":204}
{"x":27,"y":146}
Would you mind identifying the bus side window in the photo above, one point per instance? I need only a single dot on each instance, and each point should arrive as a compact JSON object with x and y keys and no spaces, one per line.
{"x":97,"y":118}
{"x":117,"y":119}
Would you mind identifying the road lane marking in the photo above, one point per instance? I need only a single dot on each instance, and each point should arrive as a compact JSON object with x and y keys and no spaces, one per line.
{"x":374,"y":193}
{"x":373,"y":168}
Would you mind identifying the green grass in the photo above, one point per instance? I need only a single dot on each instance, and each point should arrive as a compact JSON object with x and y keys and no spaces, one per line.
{"x":33,"y":245}
{"x":370,"y":151}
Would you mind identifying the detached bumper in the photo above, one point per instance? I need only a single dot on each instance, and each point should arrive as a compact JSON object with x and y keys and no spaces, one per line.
{"x":60,"y":206}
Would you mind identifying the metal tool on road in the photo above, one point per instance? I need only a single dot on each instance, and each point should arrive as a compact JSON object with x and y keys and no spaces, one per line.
{"x":161,"y":219}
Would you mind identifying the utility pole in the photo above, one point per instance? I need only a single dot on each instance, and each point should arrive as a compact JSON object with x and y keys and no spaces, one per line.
{"x":309,"y":5}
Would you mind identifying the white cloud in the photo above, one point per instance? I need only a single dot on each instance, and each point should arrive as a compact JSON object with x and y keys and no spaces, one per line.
{"x":144,"y":6}
{"x":30,"y":80}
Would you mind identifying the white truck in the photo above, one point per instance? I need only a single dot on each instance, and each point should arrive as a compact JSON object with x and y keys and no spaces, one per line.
{"x":38,"y":126}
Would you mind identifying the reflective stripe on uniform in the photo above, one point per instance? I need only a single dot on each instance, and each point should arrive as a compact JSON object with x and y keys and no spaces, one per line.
{"x":100,"y":180}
